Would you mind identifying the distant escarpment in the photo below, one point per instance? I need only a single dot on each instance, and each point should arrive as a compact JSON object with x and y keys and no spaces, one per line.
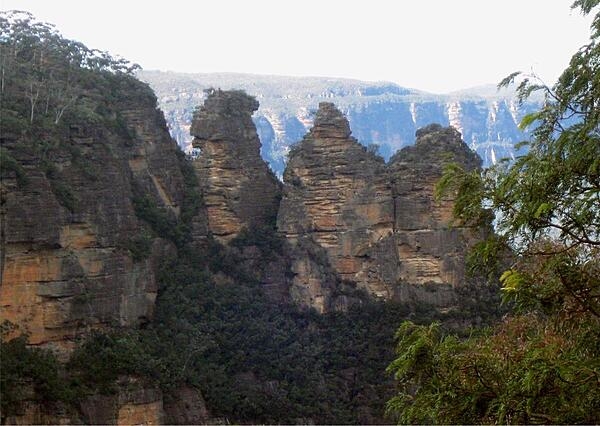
{"x":381,"y":113}
{"x":356,"y":224}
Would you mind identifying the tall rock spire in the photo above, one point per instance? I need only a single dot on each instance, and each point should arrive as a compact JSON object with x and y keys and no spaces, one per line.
{"x":359,"y":224}
{"x":336,"y":205}
{"x":239,"y":188}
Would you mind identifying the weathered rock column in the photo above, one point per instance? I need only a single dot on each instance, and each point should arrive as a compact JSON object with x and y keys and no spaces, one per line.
{"x":356,"y":223}
{"x":337,"y":200}
{"x":239,"y":188}
{"x":431,"y":252}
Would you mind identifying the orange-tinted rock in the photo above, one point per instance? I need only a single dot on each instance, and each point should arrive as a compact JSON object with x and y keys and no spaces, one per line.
{"x":66,"y":267}
{"x":431,"y":251}
{"x":239,"y":188}
{"x":337,"y":199}
{"x":186,"y":408}
{"x":141,"y":407}
{"x":353,"y":219}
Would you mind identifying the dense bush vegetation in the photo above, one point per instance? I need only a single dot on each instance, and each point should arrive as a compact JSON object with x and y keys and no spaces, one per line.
{"x":46,"y":78}
{"x":28,"y":373}
{"x":253,"y":360}
{"x":9,"y":165}
{"x":541,"y":364}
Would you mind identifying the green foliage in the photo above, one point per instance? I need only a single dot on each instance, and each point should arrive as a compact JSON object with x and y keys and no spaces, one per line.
{"x":541,"y":365}
{"x":96,"y":365}
{"x":28,"y":371}
{"x":253,"y":360}
{"x":256,"y":361}
{"x":546,"y":202}
{"x":45,"y":76}
{"x":487,"y":259}
{"x":468,"y":188}
{"x":523,"y":371}
{"x":164,"y":224}
{"x":160,"y":221}
{"x":9,"y":165}
{"x":139,"y":247}
{"x":192,"y":200}
{"x":61,"y":190}
{"x":64,"y":194}
{"x":260,"y":362}
{"x":264,"y":237}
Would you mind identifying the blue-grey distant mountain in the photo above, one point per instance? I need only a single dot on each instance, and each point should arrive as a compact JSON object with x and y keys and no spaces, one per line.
{"x":380,"y":113}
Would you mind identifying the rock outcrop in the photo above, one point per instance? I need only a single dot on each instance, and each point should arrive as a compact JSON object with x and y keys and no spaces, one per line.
{"x":430,"y":251}
{"x":337,"y":202}
{"x":75,"y":256}
{"x":240,"y":191}
{"x":356,"y":223}
{"x":132,"y":403}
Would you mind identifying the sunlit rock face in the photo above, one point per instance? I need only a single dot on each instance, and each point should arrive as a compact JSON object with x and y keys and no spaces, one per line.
{"x":239,"y":188}
{"x":356,"y":223}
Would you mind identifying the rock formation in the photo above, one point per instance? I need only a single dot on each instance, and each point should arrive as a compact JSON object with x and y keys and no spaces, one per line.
{"x":239,"y":188}
{"x":131,"y":404}
{"x":429,"y":250}
{"x":70,"y":231}
{"x":337,"y":198}
{"x":358,"y":224}
{"x":379,"y":112}
{"x":82,"y":215}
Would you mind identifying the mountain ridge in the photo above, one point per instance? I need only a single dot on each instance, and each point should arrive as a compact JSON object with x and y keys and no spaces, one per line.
{"x":380,"y":113}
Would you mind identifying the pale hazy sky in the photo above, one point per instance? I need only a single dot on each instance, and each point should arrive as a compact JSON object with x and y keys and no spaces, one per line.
{"x":433,"y":45}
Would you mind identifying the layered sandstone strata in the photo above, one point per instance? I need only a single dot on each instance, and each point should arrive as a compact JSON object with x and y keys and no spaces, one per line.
{"x":430,"y":248}
{"x":132,"y":403}
{"x":337,"y":202}
{"x":239,"y":188}
{"x":69,"y":229}
{"x":356,"y":223}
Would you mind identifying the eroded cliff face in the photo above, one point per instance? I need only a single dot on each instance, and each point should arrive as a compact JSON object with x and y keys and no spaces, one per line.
{"x":356,"y":223}
{"x":131,"y":404}
{"x":69,"y":227}
{"x":337,"y":202}
{"x":239,"y":188}
{"x":430,"y":249}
